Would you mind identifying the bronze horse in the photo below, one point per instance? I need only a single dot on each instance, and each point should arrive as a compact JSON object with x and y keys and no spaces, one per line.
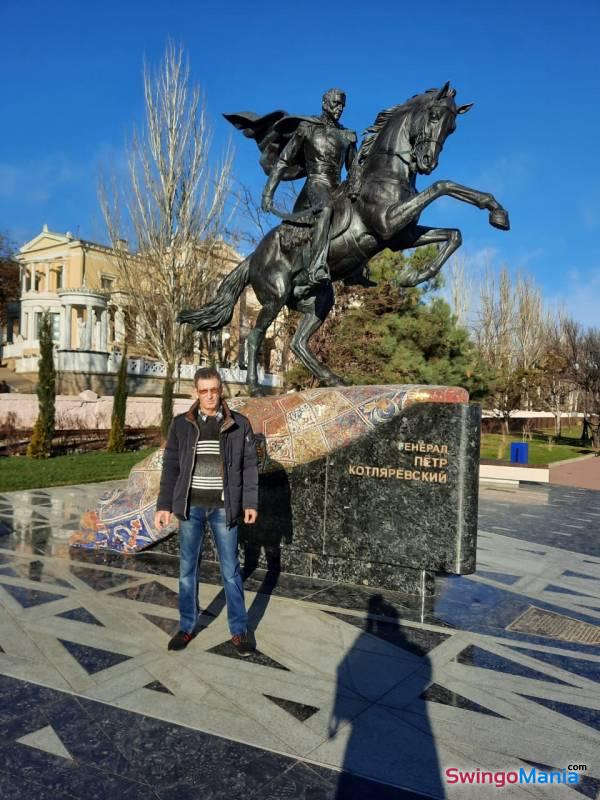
{"x":404,"y":141}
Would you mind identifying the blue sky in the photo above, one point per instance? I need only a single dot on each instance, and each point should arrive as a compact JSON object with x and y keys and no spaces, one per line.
{"x":71,"y":78}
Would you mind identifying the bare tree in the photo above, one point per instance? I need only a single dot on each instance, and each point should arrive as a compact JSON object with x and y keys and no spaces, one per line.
{"x":588,"y":370}
{"x":459,"y":290}
{"x":9,"y":276}
{"x":510,"y":332}
{"x":557,"y":386}
{"x":172,"y":210}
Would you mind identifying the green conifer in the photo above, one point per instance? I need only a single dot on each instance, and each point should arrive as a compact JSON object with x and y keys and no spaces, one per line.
{"x":40,"y":445}
{"x":116,"y":439}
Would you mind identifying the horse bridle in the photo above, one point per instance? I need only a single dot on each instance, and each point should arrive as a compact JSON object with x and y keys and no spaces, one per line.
{"x":419,"y":140}
{"x":401,"y":153}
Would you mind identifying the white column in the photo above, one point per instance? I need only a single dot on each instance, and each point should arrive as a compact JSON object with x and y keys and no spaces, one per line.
{"x":97,"y":338}
{"x":80,"y":322}
{"x":104,"y":330}
{"x":47,"y":277}
{"x":61,"y":338}
{"x":89,"y":327}
{"x":23,"y":279}
{"x":119,"y":326}
{"x":68,"y":323}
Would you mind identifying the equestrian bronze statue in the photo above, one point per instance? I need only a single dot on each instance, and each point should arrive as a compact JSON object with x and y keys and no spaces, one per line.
{"x":346,"y":223}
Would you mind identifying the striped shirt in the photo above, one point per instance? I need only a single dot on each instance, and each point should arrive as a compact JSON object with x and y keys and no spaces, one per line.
{"x":207,"y":477}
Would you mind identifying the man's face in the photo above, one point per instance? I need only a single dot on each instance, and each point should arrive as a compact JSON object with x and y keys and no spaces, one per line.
{"x":334,"y":105}
{"x":209,"y":394}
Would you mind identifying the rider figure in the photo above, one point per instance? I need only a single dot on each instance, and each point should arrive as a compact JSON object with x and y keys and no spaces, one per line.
{"x":325,"y":147}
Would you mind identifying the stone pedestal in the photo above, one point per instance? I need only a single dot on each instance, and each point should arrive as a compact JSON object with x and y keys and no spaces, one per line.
{"x":389,"y":510}
{"x":374,"y":485}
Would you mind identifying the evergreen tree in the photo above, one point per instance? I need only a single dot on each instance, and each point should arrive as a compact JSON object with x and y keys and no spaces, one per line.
{"x":394,"y":335}
{"x":40,"y":445}
{"x":116,"y":440}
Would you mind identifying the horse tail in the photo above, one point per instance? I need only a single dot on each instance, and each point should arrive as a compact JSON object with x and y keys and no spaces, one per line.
{"x":219,"y":313}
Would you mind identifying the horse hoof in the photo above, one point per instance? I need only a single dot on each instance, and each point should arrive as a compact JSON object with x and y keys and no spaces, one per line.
{"x":499,"y":219}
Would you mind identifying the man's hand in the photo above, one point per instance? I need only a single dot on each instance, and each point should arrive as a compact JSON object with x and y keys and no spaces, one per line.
{"x":162,"y":519}
{"x":250,"y":515}
{"x":267,"y":203}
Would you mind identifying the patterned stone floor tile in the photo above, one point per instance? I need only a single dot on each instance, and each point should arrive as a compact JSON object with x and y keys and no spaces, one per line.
{"x":99,"y":579}
{"x":28,"y":598}
{"x":152,"y":592}
{"x":228,"y":650}
{"x":475,"y":656}
{"x":34,"y":571}
{"x":439,"y":694}
{"x":80,"y":615}
{"x":157,"y":686}
{"x":46,"y":739}
{"x":587,"y":668}
{"x":179,"y":721}
{"x":300,"y":711}
{"x":584,"y":714}
{"x":93,"y":659}
{"x":416,"y":640}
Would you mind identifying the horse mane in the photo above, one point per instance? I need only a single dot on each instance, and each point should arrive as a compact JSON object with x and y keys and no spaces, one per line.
{"x":370,"y":133}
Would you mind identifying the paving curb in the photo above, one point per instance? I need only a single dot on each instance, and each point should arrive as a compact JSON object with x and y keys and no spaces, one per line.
{"x":572,"y":460}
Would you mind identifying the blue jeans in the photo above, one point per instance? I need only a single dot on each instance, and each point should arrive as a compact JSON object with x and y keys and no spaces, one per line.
{"x":191,"y":538}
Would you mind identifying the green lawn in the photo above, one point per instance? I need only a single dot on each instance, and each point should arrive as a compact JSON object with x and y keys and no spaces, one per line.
{"x":544,"y":448}
{"x":20,"y":472}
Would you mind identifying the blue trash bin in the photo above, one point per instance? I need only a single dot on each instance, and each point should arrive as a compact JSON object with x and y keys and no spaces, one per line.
{"x":519,"y":452}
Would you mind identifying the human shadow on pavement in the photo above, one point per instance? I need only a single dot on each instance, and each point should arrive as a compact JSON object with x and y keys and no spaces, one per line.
{"x":390,"y":751}
{"x":273,"y":527}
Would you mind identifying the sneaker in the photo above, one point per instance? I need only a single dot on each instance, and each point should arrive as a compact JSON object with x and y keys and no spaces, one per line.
{"x":243,"y":643}
{"x":180,"y":641}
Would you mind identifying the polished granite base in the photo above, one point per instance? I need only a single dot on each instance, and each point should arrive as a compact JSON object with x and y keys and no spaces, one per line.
{"x":374,"y":485}
{"x":353,"y":693}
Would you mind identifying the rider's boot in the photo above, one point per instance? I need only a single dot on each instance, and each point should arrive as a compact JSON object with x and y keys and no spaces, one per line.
{"x":317,"y":276}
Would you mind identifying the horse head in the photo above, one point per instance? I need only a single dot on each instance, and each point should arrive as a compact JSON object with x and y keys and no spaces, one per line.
{"x":433,"y":120}
{"x":414,"y":131}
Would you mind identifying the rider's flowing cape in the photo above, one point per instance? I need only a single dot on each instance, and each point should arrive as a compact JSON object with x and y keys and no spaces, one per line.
{"x":272,"y":132}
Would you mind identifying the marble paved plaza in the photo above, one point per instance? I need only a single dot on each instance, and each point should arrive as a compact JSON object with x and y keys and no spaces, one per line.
{"x":352,"y":693}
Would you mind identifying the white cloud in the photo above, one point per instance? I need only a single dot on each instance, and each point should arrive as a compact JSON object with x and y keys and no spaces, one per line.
{"x":581,"y":297}
{"x":35,"y":181}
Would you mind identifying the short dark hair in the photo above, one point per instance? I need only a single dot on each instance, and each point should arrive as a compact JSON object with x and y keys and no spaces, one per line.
{"x":207,"y":374}
{"x":331,"y":93}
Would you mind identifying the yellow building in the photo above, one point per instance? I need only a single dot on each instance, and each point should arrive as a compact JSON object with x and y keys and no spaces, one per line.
{"x":77,"y":282}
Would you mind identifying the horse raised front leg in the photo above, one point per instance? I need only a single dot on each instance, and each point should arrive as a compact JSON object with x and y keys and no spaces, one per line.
{"x":400,"y":215}
{"x":315,"y":310}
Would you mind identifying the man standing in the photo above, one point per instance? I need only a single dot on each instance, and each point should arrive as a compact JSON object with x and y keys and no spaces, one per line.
{"x":210,"y":474}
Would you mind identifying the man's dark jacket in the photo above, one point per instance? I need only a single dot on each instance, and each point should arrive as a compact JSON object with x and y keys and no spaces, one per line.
{"x":238,"y":459}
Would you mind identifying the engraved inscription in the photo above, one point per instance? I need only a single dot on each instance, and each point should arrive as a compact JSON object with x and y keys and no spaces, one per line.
{"x":429,"y":462}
